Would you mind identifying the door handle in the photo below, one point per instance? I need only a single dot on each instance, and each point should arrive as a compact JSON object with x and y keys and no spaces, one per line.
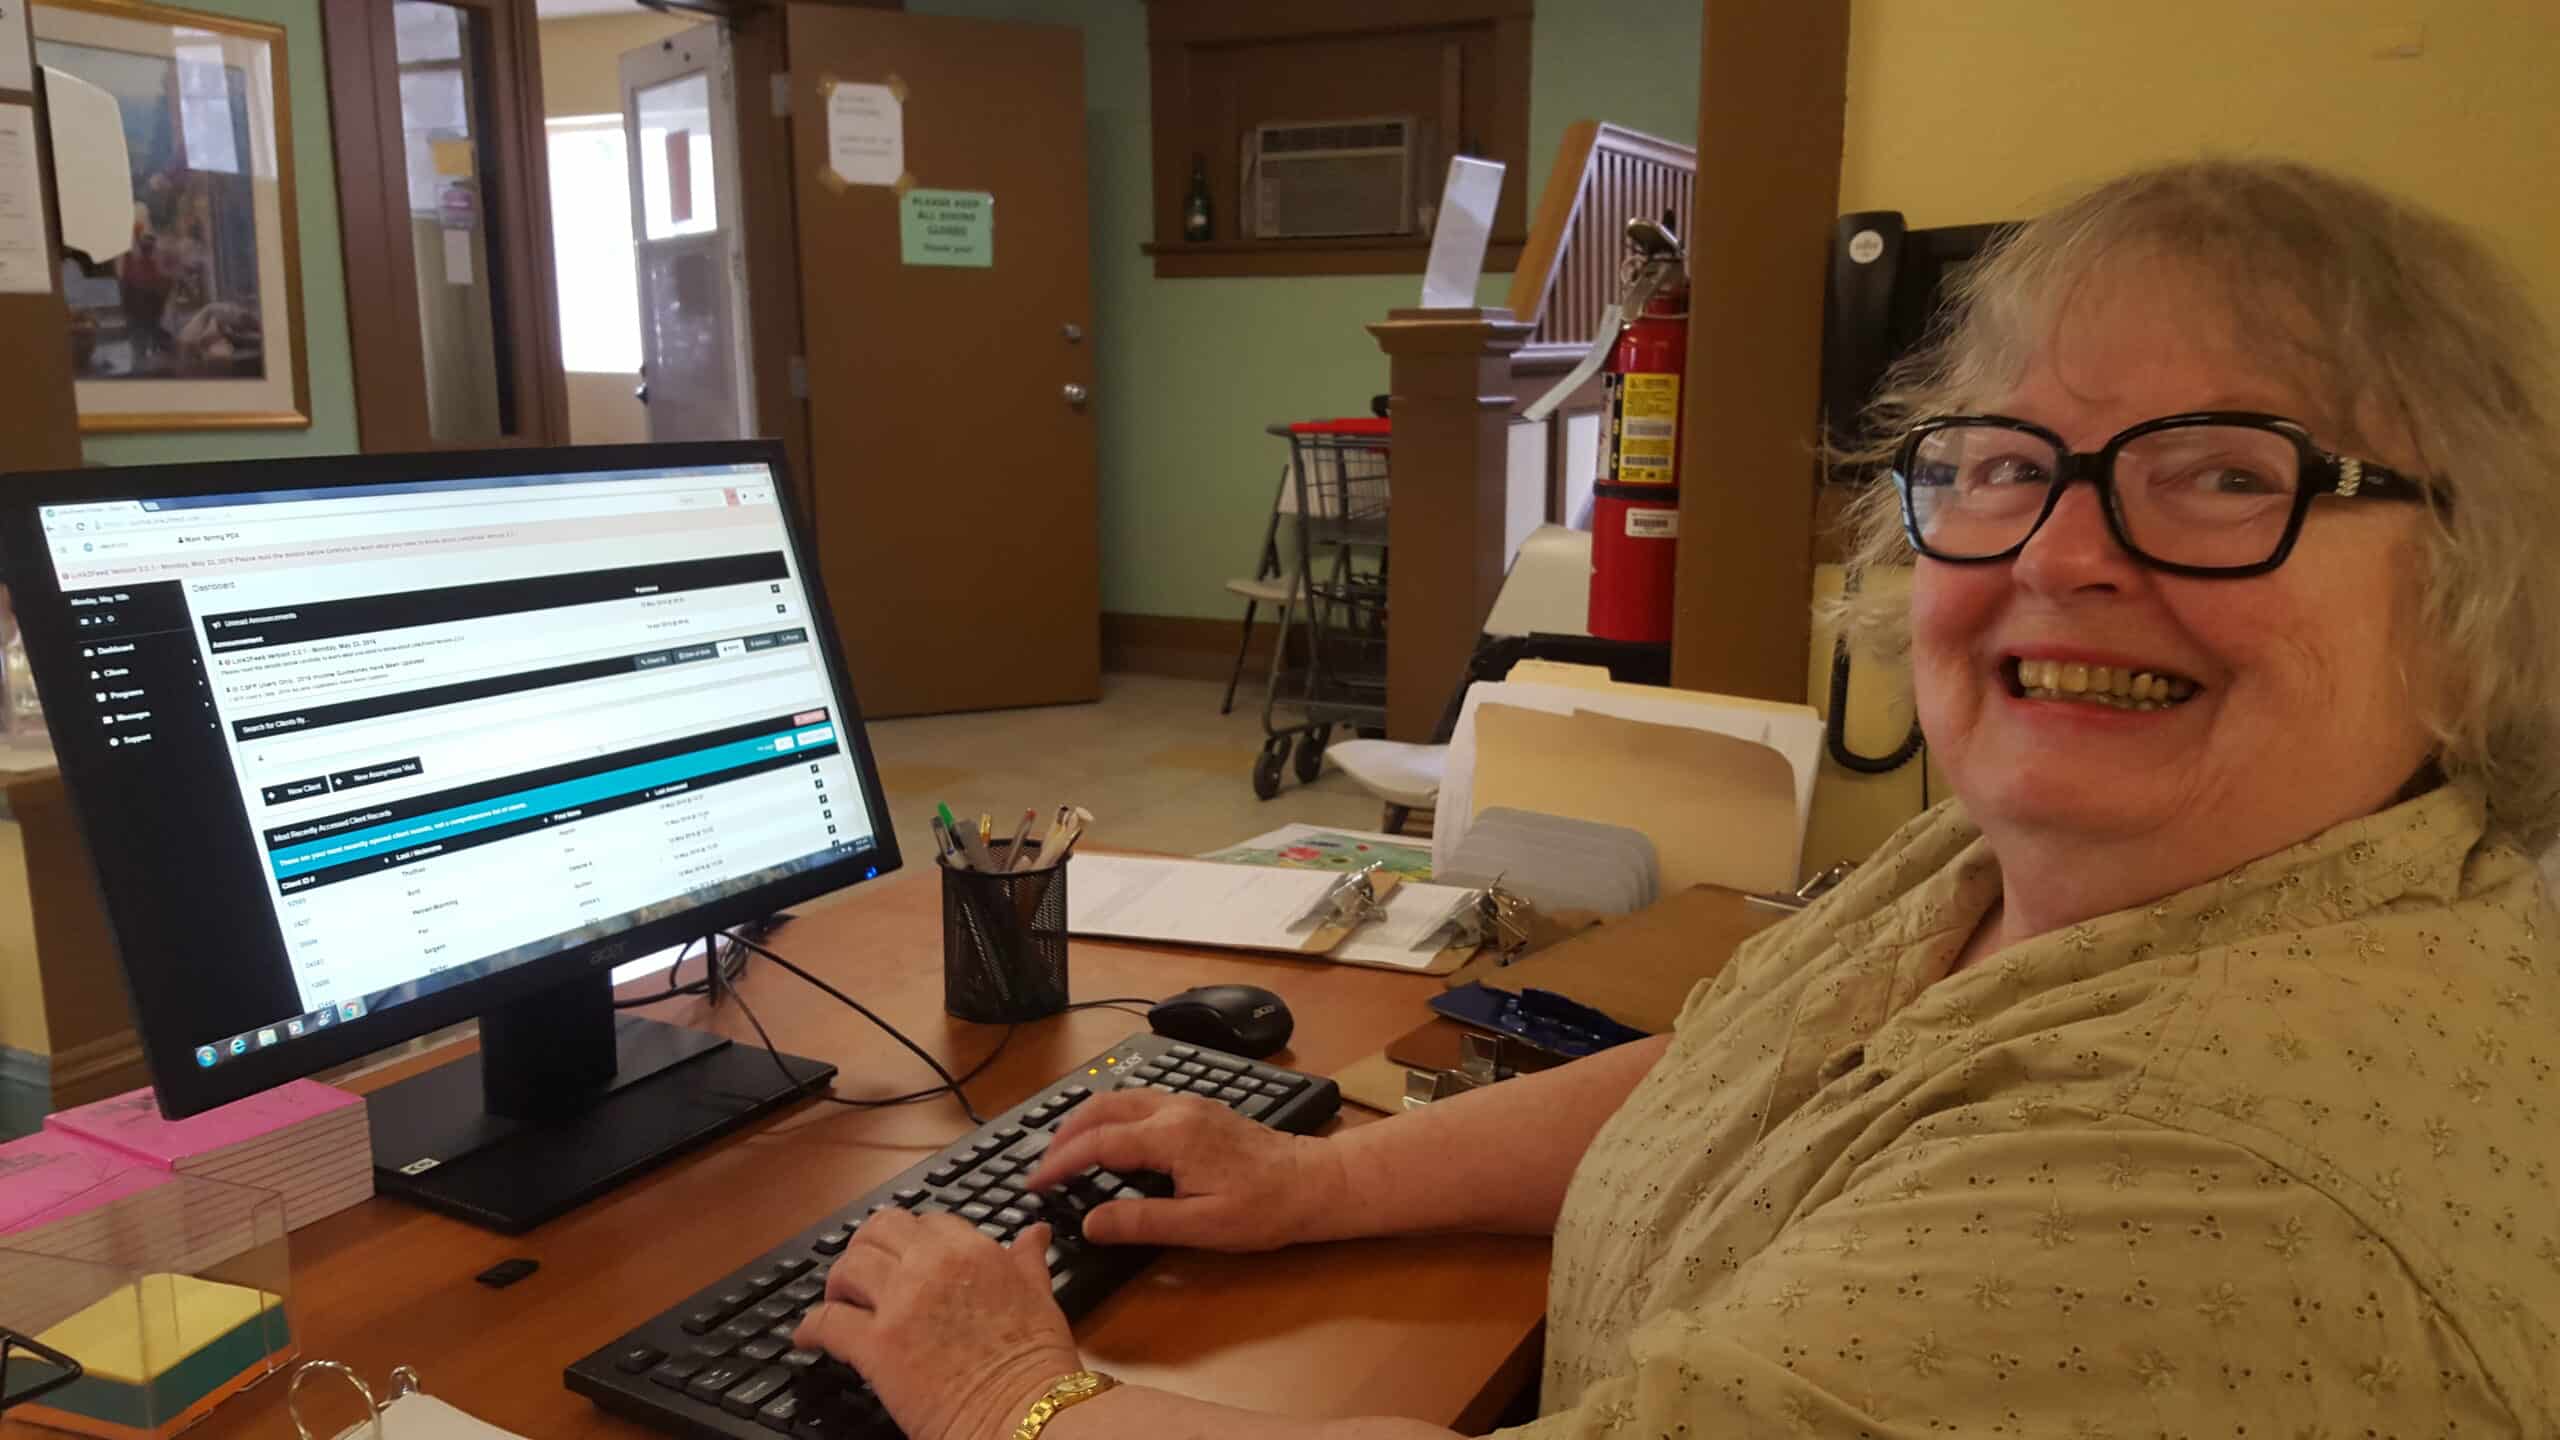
{"x":640,"y":392}
{"x":1076,"y":395}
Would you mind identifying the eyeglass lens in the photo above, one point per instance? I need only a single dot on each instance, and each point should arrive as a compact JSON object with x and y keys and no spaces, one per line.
{"x":2203,"y":495}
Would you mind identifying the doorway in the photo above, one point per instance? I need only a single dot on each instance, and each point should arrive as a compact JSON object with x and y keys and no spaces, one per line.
{"x":645,"y":224}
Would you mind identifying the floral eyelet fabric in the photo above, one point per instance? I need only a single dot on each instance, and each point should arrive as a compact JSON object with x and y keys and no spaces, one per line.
{"x":2271,"y":1157}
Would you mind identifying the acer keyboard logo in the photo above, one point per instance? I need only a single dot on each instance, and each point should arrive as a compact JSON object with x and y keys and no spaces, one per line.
{"x":611,"y":954}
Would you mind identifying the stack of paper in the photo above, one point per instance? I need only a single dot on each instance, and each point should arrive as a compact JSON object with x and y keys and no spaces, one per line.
{"x":62,"y":1199}
{"x":1557,"y":863}
{"x":306,"y":1141}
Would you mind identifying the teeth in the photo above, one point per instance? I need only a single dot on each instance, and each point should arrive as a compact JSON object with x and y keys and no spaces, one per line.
{"x":2125,"y":689}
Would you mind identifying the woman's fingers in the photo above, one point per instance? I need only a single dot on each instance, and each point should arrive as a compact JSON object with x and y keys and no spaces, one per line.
{"x":1101,"y":1112}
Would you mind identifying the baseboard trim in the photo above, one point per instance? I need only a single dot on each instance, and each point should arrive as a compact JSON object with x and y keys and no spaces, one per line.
{"x":1189,"y":647}
{"x":108,"y":1065}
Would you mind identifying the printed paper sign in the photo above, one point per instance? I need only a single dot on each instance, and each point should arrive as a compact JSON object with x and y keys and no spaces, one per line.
{"x":24,"y":266}
{"x":17,"y":70}
{"x":866,"y":134}
{"x":948,"y":227}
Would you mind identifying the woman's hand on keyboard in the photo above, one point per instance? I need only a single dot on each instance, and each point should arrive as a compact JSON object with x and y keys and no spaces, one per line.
{"x":956,"y":1334}
{"x":1237,"y":1185}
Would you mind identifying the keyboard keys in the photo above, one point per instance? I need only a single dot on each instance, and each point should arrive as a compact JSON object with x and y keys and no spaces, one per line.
{"x":678,"y":1373}
{"x":714,"y":1380}
{"x":780,"y":1411}
{"x":745,"y":1330}
{"x":747,"y":1398}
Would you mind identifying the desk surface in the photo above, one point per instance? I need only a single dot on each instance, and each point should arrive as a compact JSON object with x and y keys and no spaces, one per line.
{"x":1441,"y":1329}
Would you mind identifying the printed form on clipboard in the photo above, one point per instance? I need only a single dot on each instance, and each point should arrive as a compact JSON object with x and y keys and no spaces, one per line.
{"x":1249,"y":907}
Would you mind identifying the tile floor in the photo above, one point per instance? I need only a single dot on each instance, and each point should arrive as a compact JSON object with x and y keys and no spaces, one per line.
{"x":1154,"y":761}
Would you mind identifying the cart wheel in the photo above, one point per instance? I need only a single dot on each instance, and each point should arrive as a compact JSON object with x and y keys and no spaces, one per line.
{"x":1266,"y":768}
{"x":1311,"y":753}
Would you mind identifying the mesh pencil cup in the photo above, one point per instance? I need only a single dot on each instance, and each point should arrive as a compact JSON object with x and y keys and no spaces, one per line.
{"x":1004,"y":942}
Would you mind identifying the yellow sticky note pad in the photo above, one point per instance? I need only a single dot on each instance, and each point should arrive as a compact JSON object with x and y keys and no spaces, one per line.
{"x":453,"y":158}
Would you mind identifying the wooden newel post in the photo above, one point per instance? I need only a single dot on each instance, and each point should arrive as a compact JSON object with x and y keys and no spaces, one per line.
{"x":1450,"y":374}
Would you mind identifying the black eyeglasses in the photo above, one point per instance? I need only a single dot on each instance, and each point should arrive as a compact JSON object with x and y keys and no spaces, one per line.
{"x":2218,"y":493}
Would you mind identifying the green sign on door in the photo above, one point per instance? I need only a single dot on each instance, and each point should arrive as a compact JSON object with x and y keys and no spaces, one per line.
{"x":948,"y":227}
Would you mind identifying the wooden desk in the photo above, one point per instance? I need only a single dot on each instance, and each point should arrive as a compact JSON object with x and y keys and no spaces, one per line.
{"x":1441,"y":1329}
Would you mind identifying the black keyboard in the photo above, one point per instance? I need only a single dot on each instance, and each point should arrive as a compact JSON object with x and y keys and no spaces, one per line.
{"x":721,"y":1363}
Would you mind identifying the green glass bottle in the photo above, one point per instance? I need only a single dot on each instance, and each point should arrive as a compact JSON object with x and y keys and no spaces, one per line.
{"x":1196,"y":224}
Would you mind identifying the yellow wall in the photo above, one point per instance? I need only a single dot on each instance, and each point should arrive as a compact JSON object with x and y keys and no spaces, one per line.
{"x":582,"y":58}
{"x":21,"y":988}
{"x":1971,"y":110}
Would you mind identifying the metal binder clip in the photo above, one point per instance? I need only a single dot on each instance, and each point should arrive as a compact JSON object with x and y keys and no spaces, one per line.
{"x":404,"y":1381}
{"x":1349,"y":902}
{"x":1482,"y":1060}
{"x":1805,"y":894}
{"x":1496,"y":917}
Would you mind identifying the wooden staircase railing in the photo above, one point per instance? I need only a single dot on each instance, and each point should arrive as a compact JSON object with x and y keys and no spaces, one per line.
{"x":1468,"y":470}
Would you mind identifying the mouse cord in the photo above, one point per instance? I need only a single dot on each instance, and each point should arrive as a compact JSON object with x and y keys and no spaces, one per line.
{"x":950,"y":1083}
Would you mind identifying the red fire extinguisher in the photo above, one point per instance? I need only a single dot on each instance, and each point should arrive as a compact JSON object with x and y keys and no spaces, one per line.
{"x":1635,"y":517}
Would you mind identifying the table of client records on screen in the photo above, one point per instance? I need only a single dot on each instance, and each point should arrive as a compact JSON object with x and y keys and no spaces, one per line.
{"x":469,"y":721}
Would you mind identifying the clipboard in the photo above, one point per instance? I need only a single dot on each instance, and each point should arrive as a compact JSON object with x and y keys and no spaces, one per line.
{"x":1247,"y":907}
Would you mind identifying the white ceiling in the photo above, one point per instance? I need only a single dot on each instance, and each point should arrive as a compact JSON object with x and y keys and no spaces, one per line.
{"x":569,"y":9}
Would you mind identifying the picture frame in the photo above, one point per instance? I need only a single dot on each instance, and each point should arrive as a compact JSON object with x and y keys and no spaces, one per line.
{"x":198,"y":323}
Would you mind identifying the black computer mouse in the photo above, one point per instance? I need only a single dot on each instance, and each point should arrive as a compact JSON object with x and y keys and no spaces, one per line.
{"x":1242,"y":1020}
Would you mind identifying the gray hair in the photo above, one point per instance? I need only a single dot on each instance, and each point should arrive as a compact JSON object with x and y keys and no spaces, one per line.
{"x":2395,"y":323}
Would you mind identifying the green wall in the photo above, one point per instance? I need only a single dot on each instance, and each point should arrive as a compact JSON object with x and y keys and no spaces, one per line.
{"x":324,"y":278}
{"x":1189,"y":371}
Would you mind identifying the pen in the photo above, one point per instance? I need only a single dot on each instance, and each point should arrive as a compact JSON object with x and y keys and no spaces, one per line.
{"x":942,"y":843}
{"x":1014,"y":854}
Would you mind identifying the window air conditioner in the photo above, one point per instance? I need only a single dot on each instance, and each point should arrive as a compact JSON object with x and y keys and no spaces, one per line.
{"x":1337,"y":177}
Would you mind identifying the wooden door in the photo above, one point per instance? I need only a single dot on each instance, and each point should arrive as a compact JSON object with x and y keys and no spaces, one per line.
{"x":950,"y":414}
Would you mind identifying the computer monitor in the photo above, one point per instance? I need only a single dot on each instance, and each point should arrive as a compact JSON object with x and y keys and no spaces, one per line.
{"x":363,"y":747}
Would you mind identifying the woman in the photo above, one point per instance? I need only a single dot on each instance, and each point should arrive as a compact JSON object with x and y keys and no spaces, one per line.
{"x":2187,"y":1073}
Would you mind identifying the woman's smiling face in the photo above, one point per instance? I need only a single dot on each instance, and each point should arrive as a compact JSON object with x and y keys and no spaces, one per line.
{"x":2299,"y":710}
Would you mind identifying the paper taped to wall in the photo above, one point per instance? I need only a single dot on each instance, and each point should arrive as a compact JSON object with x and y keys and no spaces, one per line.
{"x":866,"y":134}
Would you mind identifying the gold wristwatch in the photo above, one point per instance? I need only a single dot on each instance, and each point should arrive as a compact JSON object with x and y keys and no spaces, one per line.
{"x":1073,"y":1388}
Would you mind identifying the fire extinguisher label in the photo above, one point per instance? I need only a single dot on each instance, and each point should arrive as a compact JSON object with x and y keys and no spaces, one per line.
{"x":1653,"y":524}
{"x":1644,"y":411}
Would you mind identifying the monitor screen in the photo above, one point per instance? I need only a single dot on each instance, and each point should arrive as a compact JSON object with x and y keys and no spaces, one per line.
{"x":360,"y":746}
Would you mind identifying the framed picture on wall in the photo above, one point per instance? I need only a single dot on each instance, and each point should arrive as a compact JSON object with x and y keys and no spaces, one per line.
{"x":192,"y":318}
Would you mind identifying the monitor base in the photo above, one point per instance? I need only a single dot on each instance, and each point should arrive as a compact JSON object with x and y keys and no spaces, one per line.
{"x":436,"y":1144}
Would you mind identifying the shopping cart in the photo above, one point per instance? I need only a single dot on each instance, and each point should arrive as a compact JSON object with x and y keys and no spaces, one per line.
{"x":1339,"y":468}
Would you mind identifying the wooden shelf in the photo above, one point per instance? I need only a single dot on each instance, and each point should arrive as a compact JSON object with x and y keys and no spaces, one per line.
{"x":1383,"y":255}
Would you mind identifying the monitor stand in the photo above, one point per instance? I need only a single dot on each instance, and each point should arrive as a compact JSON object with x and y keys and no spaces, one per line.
{"x":564,"y":1101}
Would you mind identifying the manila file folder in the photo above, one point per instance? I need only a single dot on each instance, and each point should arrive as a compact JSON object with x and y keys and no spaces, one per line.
{"x":1719,"y":810}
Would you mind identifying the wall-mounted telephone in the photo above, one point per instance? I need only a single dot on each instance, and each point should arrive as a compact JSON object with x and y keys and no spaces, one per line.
{"x":1887,"y":285}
